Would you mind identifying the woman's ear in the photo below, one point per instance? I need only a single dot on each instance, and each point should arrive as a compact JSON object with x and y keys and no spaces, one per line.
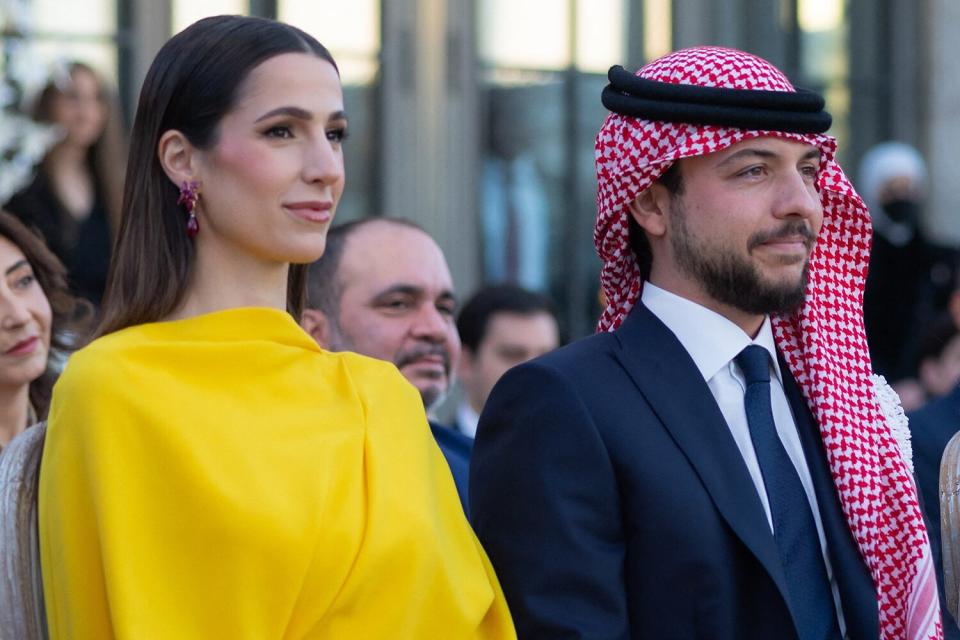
{"x":649,"y":209}
{"x":177,"y":157}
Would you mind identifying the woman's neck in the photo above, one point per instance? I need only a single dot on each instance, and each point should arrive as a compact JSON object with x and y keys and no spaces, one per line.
{"x":224,"y":278}
{"x":67,"y":157}
{"x":14,"y":409}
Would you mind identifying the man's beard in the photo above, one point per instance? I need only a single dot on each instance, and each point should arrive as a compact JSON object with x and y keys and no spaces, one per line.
{"x":431,"y":394}
{"x":733,"y":280}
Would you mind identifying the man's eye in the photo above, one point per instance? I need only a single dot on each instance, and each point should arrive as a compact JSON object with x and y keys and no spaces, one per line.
{"x":396,"y":305}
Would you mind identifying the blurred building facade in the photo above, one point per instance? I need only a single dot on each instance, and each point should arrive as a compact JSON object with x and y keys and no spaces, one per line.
{"x":476,"y":118}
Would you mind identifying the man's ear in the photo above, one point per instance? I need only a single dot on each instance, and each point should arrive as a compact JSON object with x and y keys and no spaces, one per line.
{"x":465,"y":366}
{"x":315,"y":323}
{"x":649,"y":209}
{"x":953,"y":306}
{"x":178,"y":157}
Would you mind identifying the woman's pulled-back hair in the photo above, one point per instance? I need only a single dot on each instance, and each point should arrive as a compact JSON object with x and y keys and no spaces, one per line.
{"x":70,"y":314}
{"x":192,"y":84}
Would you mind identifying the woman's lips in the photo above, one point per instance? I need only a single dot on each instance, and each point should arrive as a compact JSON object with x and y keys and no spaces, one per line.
{"x":24,"y":347}
{"x":311,"y":211}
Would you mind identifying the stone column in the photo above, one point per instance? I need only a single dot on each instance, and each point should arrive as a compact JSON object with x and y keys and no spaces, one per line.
{"x":943,"y":128}
{"x":429,"y":119}
{"x":146,"y":25}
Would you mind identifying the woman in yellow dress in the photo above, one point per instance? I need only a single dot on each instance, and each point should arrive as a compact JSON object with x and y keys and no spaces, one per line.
{"x":209,"y":472}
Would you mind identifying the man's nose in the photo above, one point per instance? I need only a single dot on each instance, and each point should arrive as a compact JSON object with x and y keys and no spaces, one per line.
{"x":431,"y":324}
{"x":797,"y":198}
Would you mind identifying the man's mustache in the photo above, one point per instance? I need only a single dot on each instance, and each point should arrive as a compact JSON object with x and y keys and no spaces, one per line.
{"x":416,"y":353}
{"x":788,"y":230}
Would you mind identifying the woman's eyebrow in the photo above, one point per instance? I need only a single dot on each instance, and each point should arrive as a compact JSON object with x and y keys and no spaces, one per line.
{"x":295,"y":112}
{"x":16,"y":265}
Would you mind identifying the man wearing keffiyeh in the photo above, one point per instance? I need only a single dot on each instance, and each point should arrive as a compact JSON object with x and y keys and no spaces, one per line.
{"x":718,"y":461}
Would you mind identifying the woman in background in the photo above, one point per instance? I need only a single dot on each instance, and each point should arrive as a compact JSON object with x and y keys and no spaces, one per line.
{"x":209,"y":471}
{"x":74,"y":199}
{"x":36,"y":312}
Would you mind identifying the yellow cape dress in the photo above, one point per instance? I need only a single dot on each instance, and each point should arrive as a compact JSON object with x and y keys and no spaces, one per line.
{"x":224,"y":477}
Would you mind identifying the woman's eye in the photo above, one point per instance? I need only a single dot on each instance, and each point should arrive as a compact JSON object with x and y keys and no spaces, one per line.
{"x":280,"y":131}
{"x":337,"y":135}
{"x":25,"y":281}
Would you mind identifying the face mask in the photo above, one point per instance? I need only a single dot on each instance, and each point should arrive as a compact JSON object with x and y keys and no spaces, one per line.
{"x":904,"y":212}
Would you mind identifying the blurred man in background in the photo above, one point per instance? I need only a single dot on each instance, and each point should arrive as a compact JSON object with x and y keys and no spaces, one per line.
{"x":500,"y":327}
{"x":910,"y":278}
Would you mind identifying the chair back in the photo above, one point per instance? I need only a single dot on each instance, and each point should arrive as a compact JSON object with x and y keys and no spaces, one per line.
{"x":22,"y":613}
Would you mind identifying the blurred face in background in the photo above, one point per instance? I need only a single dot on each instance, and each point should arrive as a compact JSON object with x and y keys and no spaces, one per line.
{"x":25,"y":320}
{"x":80,"y":109}
{"x":940,"y":374}
{"x":510,"y":339}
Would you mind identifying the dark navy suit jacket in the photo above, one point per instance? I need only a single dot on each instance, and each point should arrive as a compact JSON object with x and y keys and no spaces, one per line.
{"x":614,"y":504}
{"x":931,"y":428}
{"x":456,"y":449}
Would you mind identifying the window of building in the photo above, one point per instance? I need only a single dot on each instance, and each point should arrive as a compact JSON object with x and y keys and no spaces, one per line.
{"x":823,"y":58}
{"x":56,"y":31}
{"x":186,"y":12}
{"x":544,"y":65}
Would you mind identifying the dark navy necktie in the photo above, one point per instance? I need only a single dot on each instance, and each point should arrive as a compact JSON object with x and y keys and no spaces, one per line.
{"x":793,"y":525}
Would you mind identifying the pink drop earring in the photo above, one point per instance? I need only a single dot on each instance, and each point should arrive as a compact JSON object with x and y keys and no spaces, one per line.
{"x":189,"y":194}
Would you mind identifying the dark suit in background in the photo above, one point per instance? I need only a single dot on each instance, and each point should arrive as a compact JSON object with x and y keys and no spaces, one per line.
{"x":456,"y":449}
{"x":931,"y":428}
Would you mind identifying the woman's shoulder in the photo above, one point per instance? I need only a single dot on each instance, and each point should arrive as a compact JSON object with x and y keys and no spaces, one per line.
{"x":34,"y":195}
{"x":101,"y":358}
{"x":378,"y":383}
{"x":366,"y":372}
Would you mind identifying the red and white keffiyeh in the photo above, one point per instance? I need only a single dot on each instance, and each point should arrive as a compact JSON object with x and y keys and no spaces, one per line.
{"x":824,"y":343}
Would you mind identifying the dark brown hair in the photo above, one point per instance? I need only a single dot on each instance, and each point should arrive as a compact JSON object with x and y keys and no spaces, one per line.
{"x":192,"y":84}
{"x":474,"y":319}
{"x":69,"y":313}
{"x":107,"y":155}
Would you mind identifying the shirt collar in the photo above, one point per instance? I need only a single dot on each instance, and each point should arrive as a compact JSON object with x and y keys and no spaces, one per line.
{"x":467,"y":419}
{"x":710,"y":339}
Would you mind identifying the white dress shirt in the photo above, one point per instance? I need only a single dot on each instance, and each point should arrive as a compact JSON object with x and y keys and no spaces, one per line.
{"x":713,"y":342}
{"x":467,"y":419}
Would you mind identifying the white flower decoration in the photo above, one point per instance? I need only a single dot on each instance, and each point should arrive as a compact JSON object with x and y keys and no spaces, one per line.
{"x":895,"y":417}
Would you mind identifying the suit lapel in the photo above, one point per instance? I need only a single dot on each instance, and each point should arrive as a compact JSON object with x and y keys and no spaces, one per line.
{"x":858,"y":595}
{"x":672,"y":385}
